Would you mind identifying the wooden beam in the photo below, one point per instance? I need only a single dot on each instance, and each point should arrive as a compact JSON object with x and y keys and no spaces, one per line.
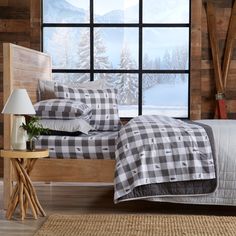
{"x":229,"y":45}
{"x":211,"y":20}
{"x":196,"y":54}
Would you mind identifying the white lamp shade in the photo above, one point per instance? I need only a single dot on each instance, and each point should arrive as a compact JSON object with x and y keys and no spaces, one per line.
{"x":19,"y":103}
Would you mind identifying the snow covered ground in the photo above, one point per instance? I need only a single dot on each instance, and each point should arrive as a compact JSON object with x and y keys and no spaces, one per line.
{"x":173,"y":111}
{"x":161,"y":99}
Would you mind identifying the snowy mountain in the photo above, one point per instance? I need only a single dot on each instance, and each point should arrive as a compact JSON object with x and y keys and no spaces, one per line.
{"x":153,"y":12}
{"x":61,"y":11}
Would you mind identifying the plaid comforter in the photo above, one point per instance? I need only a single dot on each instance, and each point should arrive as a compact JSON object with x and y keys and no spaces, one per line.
{"x":160,"y":156}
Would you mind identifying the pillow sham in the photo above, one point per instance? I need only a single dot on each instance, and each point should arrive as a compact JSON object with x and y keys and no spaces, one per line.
{"x":46,"y":87}
{"x":71,"y":126}
{"x":62,"y":109}
{"x":103,"y":103}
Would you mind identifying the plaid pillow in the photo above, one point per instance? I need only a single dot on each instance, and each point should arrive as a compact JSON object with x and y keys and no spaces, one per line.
{"x":102,"y":101}
{"x":62,"y":109}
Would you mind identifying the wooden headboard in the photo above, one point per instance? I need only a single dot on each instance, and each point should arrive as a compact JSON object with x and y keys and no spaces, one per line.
{"x":22,"y":68}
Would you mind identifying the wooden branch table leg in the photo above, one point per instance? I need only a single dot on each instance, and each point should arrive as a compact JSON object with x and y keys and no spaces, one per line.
{"x":24,"y":193}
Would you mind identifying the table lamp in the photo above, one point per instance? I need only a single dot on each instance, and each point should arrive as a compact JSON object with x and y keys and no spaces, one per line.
{"x":18,"y":104}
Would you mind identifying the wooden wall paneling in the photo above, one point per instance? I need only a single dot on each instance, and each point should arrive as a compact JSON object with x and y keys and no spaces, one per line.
{"x":3,"y":3}
{"x":14,"y":13}
{"x":35,"y":24}
{"x":19,"y":3}
{"x":214,"y":44}
{"x":195,"y":83}
{"x":11,"y":25}
{"x":223,"y":12}
{"x":14,"y":28}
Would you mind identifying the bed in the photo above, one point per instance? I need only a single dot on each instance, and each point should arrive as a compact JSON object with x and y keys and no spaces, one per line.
{"x":24,"y":67}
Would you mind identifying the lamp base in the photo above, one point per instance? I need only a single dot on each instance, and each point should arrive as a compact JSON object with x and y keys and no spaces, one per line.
{"x":19,"y":135}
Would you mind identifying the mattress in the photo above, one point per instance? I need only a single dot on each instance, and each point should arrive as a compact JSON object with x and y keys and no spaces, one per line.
{"x":225,"y":141}
{"x":95,"y":145}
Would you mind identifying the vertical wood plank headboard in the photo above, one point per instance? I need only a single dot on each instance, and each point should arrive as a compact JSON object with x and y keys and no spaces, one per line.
{"x":22,"y":68}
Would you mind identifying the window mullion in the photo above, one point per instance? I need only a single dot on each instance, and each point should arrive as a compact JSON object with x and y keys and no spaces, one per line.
{"x":91,"y":41}
{"x":140,"y":57}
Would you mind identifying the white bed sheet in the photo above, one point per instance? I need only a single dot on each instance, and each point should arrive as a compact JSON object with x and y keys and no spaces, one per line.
{"x":225,"y":141}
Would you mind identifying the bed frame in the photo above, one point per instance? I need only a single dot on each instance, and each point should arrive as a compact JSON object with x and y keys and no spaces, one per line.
{"x":22,"y":68}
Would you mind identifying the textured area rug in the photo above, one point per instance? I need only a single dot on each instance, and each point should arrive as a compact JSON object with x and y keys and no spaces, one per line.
{"x":137,"y":225}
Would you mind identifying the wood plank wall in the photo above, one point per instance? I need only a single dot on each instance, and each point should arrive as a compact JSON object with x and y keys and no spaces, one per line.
{"x":223,"y":12}
{"x":20,"y":24}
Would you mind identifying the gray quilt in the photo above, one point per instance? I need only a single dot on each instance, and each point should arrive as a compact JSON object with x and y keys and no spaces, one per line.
{"x":158,"y":156}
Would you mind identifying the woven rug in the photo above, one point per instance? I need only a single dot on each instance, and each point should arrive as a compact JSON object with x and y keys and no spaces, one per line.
{"x":137,"y":225}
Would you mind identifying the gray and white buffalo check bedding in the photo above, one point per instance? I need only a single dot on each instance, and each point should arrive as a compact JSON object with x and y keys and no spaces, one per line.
{"x":95,"y":145}
{"x":103,"y":102}
{"x":62,"y":109}
{"x":160,"y":156}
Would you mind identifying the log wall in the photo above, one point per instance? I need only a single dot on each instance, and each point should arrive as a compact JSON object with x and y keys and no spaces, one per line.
{"x":20,"y":24}
{"x":207,"y":91}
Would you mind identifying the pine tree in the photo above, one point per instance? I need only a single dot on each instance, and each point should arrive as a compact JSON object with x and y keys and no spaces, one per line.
{"x":84,"y":54}
{"x":147,"y":64}
{"x":168,"y":65}
{"x":59,"y":48}
{"x":127,"y":84}
{"x":100,"y":59}
{"x":150,"y":80}
{"x":180,"y":59}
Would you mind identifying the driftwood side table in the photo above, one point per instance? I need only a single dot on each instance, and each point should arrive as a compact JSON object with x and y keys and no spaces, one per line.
{"x":24,"y":193}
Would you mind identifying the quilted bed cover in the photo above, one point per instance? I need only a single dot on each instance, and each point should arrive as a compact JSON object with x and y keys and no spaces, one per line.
{"x":162,"y":156}
{"x":225,"y":142}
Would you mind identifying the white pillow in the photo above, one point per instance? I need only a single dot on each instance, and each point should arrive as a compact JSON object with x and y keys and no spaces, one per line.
{"x":67,"y":125}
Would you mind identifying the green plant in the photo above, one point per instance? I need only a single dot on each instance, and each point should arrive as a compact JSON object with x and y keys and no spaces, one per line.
{"x":34,"y":128}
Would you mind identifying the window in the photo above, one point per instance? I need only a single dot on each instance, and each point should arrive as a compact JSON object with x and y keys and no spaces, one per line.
{"x":140,"y":47}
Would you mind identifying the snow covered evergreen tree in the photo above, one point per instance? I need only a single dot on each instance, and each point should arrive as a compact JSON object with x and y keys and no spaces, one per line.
{"x":150,"y":79}
{"x":127,"y":84}
{"x":84,"y":54}
{"x":168,"y":65}
{"x":59,"y":48}
{"x":180,"y":60}
{"x":101,"y":61}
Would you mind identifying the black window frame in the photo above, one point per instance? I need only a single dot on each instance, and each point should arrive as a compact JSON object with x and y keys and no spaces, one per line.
{"x":140,"y":71}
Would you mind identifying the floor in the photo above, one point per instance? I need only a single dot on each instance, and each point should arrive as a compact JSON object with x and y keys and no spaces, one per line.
{"x":75,"y":199}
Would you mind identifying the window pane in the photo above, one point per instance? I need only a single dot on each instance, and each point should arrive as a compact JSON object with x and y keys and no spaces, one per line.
{"x":71,"y":78}
{"x":165,"y":94}
{"x":69,"y":47}
{"x":116,"y":11}
{"x":116,"y":48}
{"x":65,"y":11}
{"x":165,"y":48}
{"x":168,"y":11}
{"x":127,"y":85}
